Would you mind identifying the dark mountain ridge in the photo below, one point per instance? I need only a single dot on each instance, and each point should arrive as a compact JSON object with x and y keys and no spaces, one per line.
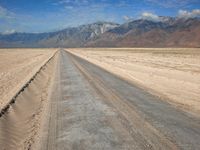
{"x":170,"y":32}
{"x":165,"y":32}
{"x":69,"y":37}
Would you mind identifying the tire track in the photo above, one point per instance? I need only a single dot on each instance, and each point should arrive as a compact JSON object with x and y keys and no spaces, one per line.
{"x":144,"y":133}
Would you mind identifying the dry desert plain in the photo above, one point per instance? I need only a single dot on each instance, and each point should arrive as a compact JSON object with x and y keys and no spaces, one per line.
{"x":17,"y":66}
{"x":100,"y":98}
{"x":173,"y":74}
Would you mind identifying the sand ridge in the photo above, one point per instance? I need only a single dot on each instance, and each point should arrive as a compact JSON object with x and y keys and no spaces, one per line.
{"x":21,"y":126}
{"x":17,"y":66}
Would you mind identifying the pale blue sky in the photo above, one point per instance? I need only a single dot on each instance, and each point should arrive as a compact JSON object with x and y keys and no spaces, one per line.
{"x":51,"y":15}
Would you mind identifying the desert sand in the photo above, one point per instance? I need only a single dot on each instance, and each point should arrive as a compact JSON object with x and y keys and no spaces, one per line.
{"x":172,"y":74}
{"x":17,"y":66}
{"x":20,"y":127}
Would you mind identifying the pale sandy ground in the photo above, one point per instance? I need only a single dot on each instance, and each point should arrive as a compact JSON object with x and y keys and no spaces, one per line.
{"x":172,"y":74}
{"x":16,"y":67}
{"x":20,"y":128}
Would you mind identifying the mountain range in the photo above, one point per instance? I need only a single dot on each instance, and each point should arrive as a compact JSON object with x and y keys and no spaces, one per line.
{"x":165,"y":32}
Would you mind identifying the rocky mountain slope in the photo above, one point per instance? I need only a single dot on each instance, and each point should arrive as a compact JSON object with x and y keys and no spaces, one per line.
{"x":165,"y":32}
{"x":168,"y":32}
{"x":69,"y":37}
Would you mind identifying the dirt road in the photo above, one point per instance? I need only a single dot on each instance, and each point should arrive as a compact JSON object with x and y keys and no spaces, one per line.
{"x":93,"y":109}
{"x":74,"y":104}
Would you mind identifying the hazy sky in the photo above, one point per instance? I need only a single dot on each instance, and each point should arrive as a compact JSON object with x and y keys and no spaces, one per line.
{"x":50,"y":15}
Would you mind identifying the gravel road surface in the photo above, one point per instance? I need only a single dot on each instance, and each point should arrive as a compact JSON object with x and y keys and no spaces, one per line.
{"x":91,"y":108}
